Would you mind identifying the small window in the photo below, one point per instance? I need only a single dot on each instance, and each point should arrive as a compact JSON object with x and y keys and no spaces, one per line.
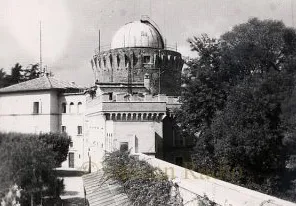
{"x":123,"y":146}
{"x":110,"y":95}
{"x":71,"y":108}
{"x":71,"y":144}
{"x":79,"y":130}
{"x":64,"y":108}
{"x":79,"y":107}
{"x":36,"y":108}
{"x":104,"y":60}
{"x":64,"y":129}
{"x":146,"y":59}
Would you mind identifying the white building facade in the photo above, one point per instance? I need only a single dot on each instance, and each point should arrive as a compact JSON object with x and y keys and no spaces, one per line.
{"x":125,"y":108}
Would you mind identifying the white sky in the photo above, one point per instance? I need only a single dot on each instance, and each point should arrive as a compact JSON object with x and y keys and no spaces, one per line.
{"x":70,"y":27}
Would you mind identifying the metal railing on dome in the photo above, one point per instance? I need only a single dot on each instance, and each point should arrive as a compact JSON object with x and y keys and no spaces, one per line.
{"x":108,"y":47}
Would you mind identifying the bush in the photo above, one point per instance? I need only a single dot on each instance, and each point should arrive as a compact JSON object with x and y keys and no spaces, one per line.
{"x":29,"y":160}
{"x":143,"y":183}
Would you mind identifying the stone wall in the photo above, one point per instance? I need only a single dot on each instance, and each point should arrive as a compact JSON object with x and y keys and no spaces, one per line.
{"x":130,"y":65}
{"x":194,"y":186}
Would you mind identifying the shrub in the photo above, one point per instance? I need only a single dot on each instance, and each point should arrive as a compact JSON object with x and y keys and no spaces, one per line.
{"x":143,"y":183}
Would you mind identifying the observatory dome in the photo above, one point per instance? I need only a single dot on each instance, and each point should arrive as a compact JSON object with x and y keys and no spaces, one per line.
{"x":137,"y":34}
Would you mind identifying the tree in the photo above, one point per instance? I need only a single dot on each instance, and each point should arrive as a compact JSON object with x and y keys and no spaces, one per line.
{"x":32,"y":71}
{"x":238,"y":101}
{"x":3,"y":78}
{"x":59,"y":144}
{"x":29,"y":162}
{"x":18,"y":74}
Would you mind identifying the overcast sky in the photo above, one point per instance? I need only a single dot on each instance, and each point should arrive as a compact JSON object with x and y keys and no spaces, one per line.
{"x":70,"y":27}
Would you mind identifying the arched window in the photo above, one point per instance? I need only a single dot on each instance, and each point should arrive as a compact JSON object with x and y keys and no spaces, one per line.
{"x":79,"y":107}
{"x":71,"y":108}
{"x":64,"y":107}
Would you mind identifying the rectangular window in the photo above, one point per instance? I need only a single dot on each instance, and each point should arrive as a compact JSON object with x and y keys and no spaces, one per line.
{"x":110,"y":96}
{"x":64,"y":129}
{"x":146,"y":59}
{"x":123,"y":146}
{"x":64,"y":108}
{"x":79,"y":130}
{"x":71,"y":144}
{"x":71,"y":159}
{"x":36,"y":108}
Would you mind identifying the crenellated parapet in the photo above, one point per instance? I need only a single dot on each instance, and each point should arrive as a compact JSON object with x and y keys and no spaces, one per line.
{"x":134,"y":65}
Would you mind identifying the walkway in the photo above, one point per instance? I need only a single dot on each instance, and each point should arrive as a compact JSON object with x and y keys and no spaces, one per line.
{"x":73,"y":194}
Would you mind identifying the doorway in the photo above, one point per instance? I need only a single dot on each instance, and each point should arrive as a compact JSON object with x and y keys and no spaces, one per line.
{"x":71,"y":159}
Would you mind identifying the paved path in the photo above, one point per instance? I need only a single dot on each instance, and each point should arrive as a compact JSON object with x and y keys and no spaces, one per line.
{"x":73,"y":194}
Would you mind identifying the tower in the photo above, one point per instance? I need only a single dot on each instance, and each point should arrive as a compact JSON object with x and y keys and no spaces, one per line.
{"x":137,"y":53}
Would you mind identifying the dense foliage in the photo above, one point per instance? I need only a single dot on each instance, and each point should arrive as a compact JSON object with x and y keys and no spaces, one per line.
{"x":28,"y":161}
{"x":144,"y":184}
{"x":239,"y":103}
{"x":19,"y":74}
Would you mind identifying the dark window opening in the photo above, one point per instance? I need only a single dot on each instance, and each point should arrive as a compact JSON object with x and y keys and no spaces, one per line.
{"x":36,"y":108}
{"x":104,"y":60}
{"x":118,"y":61}
{"x":64,"y":108}
{"x":126,"y":59}
{"x":110,"y":95}
{"x":71,"y":159}
{"x":79,"y":130}
{"x":71,"y":144}
{"x":111,"y":60}
{"x":123,"y":146}
{"x":146,"y":59}
{"x":64,"y":129}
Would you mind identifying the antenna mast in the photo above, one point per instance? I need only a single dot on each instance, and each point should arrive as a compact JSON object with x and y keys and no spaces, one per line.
{"x":99,"y":41}
{"x":40,"y":44}
{"x":292,"y":10}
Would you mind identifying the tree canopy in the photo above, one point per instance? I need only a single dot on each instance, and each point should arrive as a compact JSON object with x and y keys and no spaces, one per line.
{"x":29,"y":160}
{"x":19,"y":74}
{"x":238,"y":102}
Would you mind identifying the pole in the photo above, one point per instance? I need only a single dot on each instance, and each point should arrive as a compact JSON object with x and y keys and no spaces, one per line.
{"x":40,"y":44}
{"x":99,"y":41}
{"x":292,"y":9}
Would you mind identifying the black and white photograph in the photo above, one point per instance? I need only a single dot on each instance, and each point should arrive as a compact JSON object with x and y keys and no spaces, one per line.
{"x":148,"y":102}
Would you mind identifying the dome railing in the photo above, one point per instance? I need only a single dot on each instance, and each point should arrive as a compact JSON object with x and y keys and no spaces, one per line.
{"x":107,"y":47}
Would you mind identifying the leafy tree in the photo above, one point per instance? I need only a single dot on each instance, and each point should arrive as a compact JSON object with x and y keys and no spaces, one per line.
{"x":238,"y":104}
{"x":59,"y":144}
{"x":18,"y":74}
{"x":3,"y":78}
{"x":29,"y":162}
{"x":32,"y":71}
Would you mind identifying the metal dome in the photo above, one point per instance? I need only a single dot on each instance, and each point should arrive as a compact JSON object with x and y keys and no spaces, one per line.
{"x":137,"y":34}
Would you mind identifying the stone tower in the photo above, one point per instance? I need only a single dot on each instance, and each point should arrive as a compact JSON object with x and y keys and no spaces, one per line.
{"x":139,"y":57}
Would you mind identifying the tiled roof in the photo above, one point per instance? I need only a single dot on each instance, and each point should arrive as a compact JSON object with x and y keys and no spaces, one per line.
{"x":41,"y":83}
{"x":100,"y":192}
